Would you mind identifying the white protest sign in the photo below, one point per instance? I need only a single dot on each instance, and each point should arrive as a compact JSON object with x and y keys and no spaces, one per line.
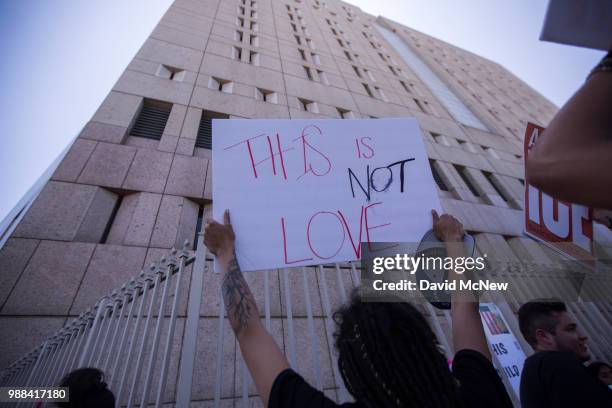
{"x":306,"y":192}
{"x":504,"y":344}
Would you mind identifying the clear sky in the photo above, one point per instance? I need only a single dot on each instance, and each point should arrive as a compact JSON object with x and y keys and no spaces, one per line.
{"x":60,"y":58}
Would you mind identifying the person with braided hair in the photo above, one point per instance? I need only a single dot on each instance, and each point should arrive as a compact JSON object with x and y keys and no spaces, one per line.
{"x":388,"y":354}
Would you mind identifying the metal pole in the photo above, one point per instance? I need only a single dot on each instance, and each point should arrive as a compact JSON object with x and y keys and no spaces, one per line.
{"x":313,"y":336}
{"x":219,"y":367}
{"x":105,"y":326}
{"x":147,"y":281}
{"x":192,"y":323}
{"x":158,"y":271}
{"x":341,"y":288}
{"x":62,"y":358}
{"x":83,"y":325}
{"x":158,"y":327}
{"x":127,"y":292}
{"x":134,"y":293}
{"x":170,"y":335}
{"x":289,"y":312}
{"x":74,"y":334}
{"x":85,"y":356}
{"x":343,"y":394}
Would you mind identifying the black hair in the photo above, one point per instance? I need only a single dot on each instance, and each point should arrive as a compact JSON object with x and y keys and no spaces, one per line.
{"x":595,"y":366}
{"x":539,"y":314}
{"x":389,"y":356}
{"x":87,"y":389}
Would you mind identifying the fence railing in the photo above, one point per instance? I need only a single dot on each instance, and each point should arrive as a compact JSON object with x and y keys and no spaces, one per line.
{"x":164,"y":337}
{"x":128,"y":335}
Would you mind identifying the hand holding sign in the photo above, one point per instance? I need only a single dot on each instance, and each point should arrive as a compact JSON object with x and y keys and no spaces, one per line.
{"x":219,"y":238}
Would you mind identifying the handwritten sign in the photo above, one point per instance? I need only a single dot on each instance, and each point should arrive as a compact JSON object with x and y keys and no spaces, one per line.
{"x":564,"y":226}
{"x":307,"y":192}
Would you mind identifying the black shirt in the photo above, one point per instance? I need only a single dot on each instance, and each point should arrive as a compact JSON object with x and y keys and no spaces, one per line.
{"x":557,"y":379}
{"x":480,"y":386}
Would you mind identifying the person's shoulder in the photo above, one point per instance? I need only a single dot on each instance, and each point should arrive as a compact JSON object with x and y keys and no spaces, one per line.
{"x":551,"y":359}
{"x":290,"y":389}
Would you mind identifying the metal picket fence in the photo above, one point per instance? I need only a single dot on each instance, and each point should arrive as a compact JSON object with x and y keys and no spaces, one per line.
{"x":121,"y":335}
{"x":151,"y":356}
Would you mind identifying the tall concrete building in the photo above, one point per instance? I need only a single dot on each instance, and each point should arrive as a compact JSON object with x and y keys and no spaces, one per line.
{"x":137,"y":180}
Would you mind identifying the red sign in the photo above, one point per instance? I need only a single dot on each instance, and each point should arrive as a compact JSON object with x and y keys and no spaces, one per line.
{"x":567,"y":227}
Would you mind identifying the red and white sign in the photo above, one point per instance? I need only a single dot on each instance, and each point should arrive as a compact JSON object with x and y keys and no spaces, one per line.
{"x":306,"y":192}
{"x":565,"y":226}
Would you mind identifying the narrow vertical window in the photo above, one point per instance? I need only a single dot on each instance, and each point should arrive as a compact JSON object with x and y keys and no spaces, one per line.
{"x":308,"y":73}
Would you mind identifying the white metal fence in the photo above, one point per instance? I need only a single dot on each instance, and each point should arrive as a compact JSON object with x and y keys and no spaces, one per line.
{"x":152,"y":353}
{"x":121,"y":335}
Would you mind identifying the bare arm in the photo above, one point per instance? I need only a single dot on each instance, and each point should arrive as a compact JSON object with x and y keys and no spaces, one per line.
{"x":262,"y":355}
{"x":468,"y":332}
{"x":572,"y":160}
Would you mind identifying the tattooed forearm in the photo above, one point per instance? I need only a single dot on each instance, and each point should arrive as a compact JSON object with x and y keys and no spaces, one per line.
{"x":239,"y":302}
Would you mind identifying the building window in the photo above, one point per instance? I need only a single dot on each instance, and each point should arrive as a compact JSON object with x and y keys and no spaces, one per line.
{"x":240,"y":22}
{"x":308,"y":106}
{"x":403,"y":84}
{"x":348,"y":55}
{"x":369,"y":74}
{"x":238,"y":35}
{"x":236,"y":53}
{"x":204,"y":137}
{"x":297,"y":39}
{"x":437,"y":177}
{"x":368,"y":90}
{"x":254,"y":26}
{"x":302,"y":54}
{"x":316,"y":58}
{"x":420,"y":105}
{"x":111,"y":220}
{"x":491,"y":152}
{"x":310,"y":44}
{"x":253,"y":57}
{"x":467,"y":180}
{"x":198,"y":228}
{"x":254,"y":40}
{"x":171,"y":73}
{"x":345,"y":114}
{"x":308,"y":73}
{"x":266,"y":96}
{"x":151,"y":120}
{"x":380,"y":93}
{"x":221,"y":85}
{"x":356,"y":71}
{"x":498,"y":188}
{"x":322,"y":77}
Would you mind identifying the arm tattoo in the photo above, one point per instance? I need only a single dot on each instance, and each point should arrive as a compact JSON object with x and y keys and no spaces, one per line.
{"x":239,"y":302}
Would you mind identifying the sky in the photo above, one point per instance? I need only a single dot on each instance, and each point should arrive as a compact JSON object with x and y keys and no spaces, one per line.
{"x":60,"y":58}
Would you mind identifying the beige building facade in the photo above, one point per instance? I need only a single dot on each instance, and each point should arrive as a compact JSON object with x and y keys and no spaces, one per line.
{"x":138,"y":179}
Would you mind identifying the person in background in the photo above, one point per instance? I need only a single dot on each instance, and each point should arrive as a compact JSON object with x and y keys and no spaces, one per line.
{"x":601,"y":371}
{"x":572,"y":160}
{"x":388,"y":354}
{"x":87,"y":389}
{"x":554,"y":375}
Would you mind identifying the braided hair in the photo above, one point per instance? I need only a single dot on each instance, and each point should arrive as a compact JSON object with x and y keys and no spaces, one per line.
{"x":389,"y":356}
